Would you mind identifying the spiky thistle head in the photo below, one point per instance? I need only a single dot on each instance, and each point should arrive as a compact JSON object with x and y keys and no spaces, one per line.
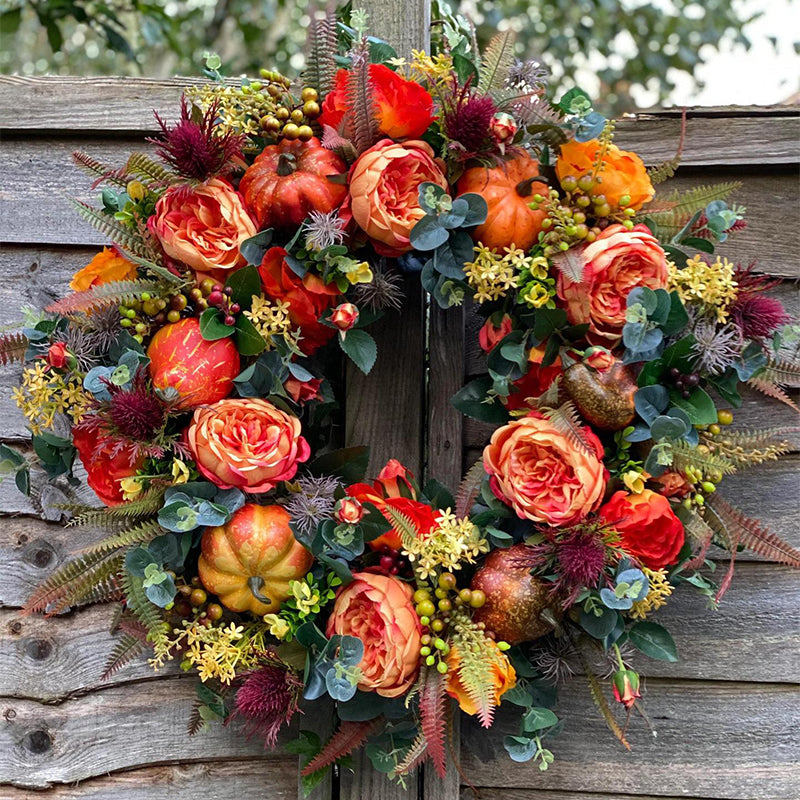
{"x":324,"y":230}
{"x":715,"y":347}
{"x":384,"y":291}
{"x":756,"y":315}
{"x":581,"y":554}
{"x":530,"y":74}
{"x":555,"y":660}
{"x":193,"y":147}
{"x":312,"y":503}
{"x":466,"y":121}
{"x":267,"y":698}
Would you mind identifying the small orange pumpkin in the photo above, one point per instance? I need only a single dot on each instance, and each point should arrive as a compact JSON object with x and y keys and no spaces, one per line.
{"x":507,"y":190}
{"x":249,"y":562}
{"x":289,"y":180}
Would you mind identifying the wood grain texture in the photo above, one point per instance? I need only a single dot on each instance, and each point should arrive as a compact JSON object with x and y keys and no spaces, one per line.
{"x":714,"y":740}
{"x":230,"y":780}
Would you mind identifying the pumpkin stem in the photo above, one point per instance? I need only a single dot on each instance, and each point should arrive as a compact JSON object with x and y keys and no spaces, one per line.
{"x":523,"y":188}
{"x":287,"y":164}
{"x":255,"y":584}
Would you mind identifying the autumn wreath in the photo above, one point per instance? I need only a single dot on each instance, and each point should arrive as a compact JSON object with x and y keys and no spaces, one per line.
{"x":192,"y":375}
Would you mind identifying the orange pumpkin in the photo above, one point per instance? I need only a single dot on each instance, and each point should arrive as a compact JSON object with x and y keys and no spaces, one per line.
{"x":249,"y":562}
{"x":289,"y":180}
{"x":202,"y":372}
{"x":507,"y":190}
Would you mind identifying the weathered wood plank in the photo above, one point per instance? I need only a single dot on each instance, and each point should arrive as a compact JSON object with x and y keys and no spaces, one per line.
{"x":492,"y":793}
{"x":120,"y":728}
{"x":229,"y":780}
{"x":715,"y":740}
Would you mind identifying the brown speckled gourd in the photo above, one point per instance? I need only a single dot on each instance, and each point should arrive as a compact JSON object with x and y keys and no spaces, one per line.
{"x":603,"y":398}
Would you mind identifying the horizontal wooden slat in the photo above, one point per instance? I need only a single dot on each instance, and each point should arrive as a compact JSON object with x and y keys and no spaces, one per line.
{"x":230,"y":780}
{"x":714,"y":740}
{"x":121,"y":728}
{"x":493,"y":793}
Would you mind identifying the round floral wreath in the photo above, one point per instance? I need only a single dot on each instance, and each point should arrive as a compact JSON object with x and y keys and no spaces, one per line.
{"x":187,"y":373}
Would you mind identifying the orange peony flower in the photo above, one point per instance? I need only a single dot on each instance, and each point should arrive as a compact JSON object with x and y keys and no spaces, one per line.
{"x":542,"y":474}
{"x":203,"y":226}
{"x":246,"y":443}
{"x":384,"y":191}
{"x":623,"y":173}
{"x":535,"y":382}
{"x":404,"y":108}
{"x":378,"y":609}
{"x":649,"y":528}
{"x":104,"y":468}
{"x":504,"y":677}
{"x":616,"y":262}
{"x":108,"y":265}
{"x":307,"y":297}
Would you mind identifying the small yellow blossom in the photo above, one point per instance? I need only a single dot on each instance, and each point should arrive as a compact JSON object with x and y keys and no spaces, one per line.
{"x":360,"y":273}
{"x":180,"y":472}
{"x":44,"y":393}
{"x":278,"y":627}
{"x":270,"y":318}
{"x":437,"y":70}
{"x":634,"y":480}
{"x":660,"y":590}
{"x":539,"y":267}
{"x":239,"y":108}
{"x":536,"y":295}
{"x":711,"y":285}
{"x":492,"y":275}
{"x":213,"y":651}
{"x":307,"y":599}
{"x":131,"y":487}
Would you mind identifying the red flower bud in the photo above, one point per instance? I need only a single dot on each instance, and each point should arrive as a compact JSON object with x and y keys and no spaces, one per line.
{"x":493,"y":331}
{"x":344,"y":316}
{"x":58,"y":355}
{"x":349,"y":511}
{"x":625,"y":683}
{"x":502,"y":128}
{"x":303,"y":391}
{"x":599,"y":358}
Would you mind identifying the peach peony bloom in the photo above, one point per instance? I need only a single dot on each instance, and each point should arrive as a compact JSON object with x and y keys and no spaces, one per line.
{"x":378,"y":609}
{"x":504,"y":677}
{"x":246,"y":443}
{"x":384,"y":191}
{"x":108,"y":265}
{"x":649,"y":528}
{"x":203,"y":226}
{"x":623,"y":174}
{"x":542,"y":474}
{"x":616,"y":262}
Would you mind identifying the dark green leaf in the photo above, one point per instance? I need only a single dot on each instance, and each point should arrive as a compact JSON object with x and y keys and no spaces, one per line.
{"x":249,"y":342}
{"x":654,"y":641}
{"x":245,"y":283}
{"x":471,"y":400}
{"x":699,"y":406}
{"x":361,"y":348}
{"x":213,"y":327}
{"x":254,"y":248}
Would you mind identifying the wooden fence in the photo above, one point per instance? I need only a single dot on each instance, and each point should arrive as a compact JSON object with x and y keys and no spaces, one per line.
{"x":727,"y":715}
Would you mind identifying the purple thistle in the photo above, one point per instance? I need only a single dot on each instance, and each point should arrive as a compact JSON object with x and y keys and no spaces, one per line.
{"x":467,"y":119}
{"x":193,"y":148}
{"x":758,"y":316}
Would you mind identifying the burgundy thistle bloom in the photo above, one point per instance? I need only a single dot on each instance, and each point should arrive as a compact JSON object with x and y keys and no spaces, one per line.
{"x":467,"y":119}
{"x":267,"y":699}
{"x":755,"y":315}
{"x":193,"y":148}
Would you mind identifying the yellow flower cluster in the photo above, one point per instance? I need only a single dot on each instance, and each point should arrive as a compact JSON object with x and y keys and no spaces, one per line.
{"x":491,"y":274}
{"x":712,"y":285}
{"x":43,"y":393}
{"x":306,"y":597}
{"x":436,"y":70}
{"x":270,"y":318}
{"x":239,"y":108}
{"x":214,"y":651}
{"x":451,"y":543}
{"x":660,"y":590}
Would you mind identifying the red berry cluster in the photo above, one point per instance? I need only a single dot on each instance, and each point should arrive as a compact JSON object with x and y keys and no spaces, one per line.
{"x":220,"y":298}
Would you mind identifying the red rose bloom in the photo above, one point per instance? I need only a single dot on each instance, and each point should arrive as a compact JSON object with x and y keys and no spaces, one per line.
{"x":104,"y":470}
{"x":494,"y":331}
{"x":307,"y":297}
{"x":404,"y":108}
{"x":650,"y":530}
{"x":535,"y":382}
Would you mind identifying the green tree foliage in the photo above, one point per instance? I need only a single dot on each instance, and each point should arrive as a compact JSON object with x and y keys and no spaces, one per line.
{"x":627,"y":43}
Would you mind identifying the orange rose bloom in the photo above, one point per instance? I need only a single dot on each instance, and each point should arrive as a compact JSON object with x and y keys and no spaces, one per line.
{"x":246,"y":443}
{"x":104,"y":468}
{"x":542,"y":474}
{"x":504,"y":677}
{"x":108,"y":265}
{"x":649,"y":528}
{"x":307,"y":297}
{"x":384,"y":192}
{"x":203,"y":226}
{"x":616,"y":262}
{"x":623,"y":173}
{"x":378,"y":609}
{"x":404,"y":108}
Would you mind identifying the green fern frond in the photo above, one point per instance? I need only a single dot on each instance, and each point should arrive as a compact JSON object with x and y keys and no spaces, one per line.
{"x":148,"y":171}
{"x":99,"y":170}
{"x":496,"y":61}
{"x":138,"y":534}
{"x":156,"y":270}
{"x":109,"y":588}
{"x":677,"y":208}
{"x":106,"y":294}
{"x":12,"y":347}
{"x":749,"y":447}
{"x":322,"y":49}
{"x":404,"y":525}
{"x":146,"y":612}
{"x":73,"y":583}
{"x":110,"y":518}
{"x":566,"y":419}
{"x":477,"y":659}
{"x":113,"y":230}
{"x":771,"y":389}
{"x":125,"y":650}
{"x":685,"y":455}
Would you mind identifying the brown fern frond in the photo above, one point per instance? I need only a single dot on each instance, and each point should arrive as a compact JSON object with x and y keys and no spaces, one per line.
{"x":12,"y":347}
{"x":667,"y":169}
{"x":362,"y":121}
{"x":784,"y":372}
{"x":753,"y":534}
{"x":415,"y":755}
{"x":600,"y":701}
{"x":333,"y":140}
{"x":100,"y":171}
{"x":150,"y":172}
{"x":496,"y":61}
{"x":566,"y":419}
{"x":321,"y":51}
{"x":469,"y":488}
{"x":195,"y":723}
{"x":112,"y":229}
{"x":771,"y":389}
{"x":106,"y":294}
{"x":433,"y":718}
{"x":701,"y":535}
{"x":349,"y":737}
{"x":125,"y":650}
